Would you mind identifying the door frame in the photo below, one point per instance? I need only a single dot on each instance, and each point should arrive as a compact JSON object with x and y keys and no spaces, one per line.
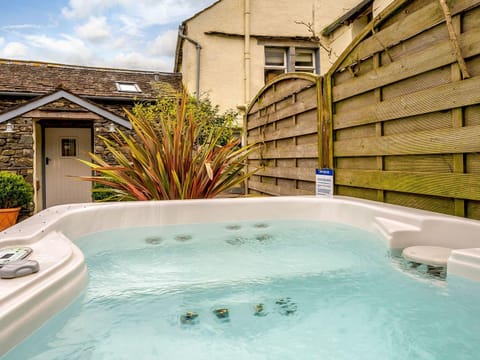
{"x":60,"y":124}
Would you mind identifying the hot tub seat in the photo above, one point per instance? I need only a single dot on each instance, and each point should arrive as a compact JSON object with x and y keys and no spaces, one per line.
{"x":428,"y":255}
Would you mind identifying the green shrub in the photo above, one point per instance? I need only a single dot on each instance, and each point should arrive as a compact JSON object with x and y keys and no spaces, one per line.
{"x":14,"y":191}
{"x":206,"y":114}
{"x":102,"y":192}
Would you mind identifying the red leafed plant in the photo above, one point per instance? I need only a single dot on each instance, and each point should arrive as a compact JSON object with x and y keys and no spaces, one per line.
{"x":173,"y":155}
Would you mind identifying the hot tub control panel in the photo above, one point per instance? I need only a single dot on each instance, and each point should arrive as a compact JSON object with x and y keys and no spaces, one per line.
{"x":19,"y":268}
{"x":13,"y":254}
{"x":13,"y":263}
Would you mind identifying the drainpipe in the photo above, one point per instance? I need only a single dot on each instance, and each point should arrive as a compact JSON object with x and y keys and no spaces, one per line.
{"x":247,"y":53}
{"x":181,"y":34}
{"x":246,"y":84}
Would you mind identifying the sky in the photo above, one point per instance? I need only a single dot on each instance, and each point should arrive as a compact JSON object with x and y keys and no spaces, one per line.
{"x":132,"y":34}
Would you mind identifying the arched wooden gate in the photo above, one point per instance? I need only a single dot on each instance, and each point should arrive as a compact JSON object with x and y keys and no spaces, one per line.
{"x":284,"y":120}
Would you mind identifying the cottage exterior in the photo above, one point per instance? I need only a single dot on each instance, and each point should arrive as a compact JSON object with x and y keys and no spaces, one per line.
{"x":231,"y":49}
{"x":51,"y":116}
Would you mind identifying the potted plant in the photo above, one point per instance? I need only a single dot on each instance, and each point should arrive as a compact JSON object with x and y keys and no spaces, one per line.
{"x":15,"y":193}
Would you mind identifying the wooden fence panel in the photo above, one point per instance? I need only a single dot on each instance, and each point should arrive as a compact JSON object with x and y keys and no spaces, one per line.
{"x":284,"y":119}
{"x":405,"y":120}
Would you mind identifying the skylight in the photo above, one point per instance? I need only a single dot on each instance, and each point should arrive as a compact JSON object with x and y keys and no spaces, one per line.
{"x":128,"y":87}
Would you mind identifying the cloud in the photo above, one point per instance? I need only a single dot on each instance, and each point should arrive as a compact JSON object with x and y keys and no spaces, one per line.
{"x":144,"y":12}
{"x":21,"y":27}
{"x":130,"y":26}
{"x":113,"y":33}
{"x":87,"y":8}
{"x":164,"y":44}
{"x":134,"y":60}
{"x":161,"y":12}
{"x":164,"y":12}
{"x":73,"y":50}
{"x":65,"y":49}
{"x":95,"y":30}
{"x":15,"y":50}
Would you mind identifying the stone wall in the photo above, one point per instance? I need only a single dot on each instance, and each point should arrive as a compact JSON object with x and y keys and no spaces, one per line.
{"x":101,"y":128}
{"x":17,"y":149}
{"x":9,"y":102}
{"x":16,"y":153}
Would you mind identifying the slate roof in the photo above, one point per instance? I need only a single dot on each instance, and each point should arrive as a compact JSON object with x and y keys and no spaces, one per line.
{"x":349,"y":16}
{"x":31,"y":77}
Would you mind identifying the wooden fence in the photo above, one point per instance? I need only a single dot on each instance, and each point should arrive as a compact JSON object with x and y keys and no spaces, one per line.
{"x":404,"y":109}
{"x":284,"y":120}
{"x":401,"y":120}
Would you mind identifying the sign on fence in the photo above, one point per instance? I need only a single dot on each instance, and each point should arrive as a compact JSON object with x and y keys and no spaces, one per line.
{"x":324,"y":182}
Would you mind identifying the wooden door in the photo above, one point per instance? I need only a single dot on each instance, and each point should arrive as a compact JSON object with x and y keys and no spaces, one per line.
{"x":63,"y":148}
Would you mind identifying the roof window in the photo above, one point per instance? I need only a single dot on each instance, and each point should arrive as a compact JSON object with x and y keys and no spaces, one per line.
{"x":127,"y":87}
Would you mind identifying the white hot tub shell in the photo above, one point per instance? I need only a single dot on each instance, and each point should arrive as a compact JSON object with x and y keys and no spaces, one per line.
{"x":28,"y":302}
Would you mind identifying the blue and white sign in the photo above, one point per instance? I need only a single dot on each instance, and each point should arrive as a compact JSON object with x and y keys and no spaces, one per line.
{"x":324,"y":182}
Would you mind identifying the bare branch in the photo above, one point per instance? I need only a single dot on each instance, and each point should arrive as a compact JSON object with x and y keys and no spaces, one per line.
{"x":314,"y":36}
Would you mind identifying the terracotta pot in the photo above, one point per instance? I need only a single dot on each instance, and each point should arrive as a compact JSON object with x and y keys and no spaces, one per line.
{"x":8,"y":217}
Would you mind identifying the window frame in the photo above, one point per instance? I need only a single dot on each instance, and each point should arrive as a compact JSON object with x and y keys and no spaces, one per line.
{"x":268,"y":67}
{"x":119,"y":85}
{"x":289,"y":53}
{"x":68,"y":147}
{"x":310,"y":69}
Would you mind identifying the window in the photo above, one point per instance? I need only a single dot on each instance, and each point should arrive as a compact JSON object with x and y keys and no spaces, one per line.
{"x":128,"y":87}
{"x":305,"y":60}
{"x":68,"y":147}
{"x":275,"y":62}
{"x":280,"y":60}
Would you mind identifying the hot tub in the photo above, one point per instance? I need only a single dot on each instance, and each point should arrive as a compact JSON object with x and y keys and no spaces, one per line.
{"x":28,"y":302}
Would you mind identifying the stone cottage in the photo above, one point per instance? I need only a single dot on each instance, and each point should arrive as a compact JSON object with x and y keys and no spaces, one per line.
{"x":51,"y":116}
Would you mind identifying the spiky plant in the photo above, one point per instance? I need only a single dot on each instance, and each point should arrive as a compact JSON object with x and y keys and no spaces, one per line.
{"x":166,"y":160}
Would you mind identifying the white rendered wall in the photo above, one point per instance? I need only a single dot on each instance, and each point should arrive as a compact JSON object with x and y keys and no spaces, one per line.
{"x":222,"y":70}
